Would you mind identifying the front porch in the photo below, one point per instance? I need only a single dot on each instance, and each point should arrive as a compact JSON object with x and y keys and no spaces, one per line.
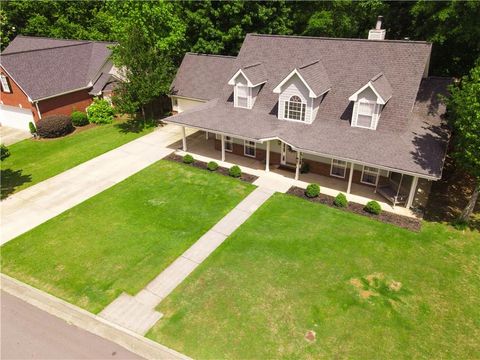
{"x":279,"y":177}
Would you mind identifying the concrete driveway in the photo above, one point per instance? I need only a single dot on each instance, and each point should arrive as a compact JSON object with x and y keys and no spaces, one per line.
{"x":9,"y":136}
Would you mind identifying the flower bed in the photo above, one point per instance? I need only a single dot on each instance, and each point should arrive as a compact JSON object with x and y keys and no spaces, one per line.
{"x":406,"y":222}
{"x":203,"y":165}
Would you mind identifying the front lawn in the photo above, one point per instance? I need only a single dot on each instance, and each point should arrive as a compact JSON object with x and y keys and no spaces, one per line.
{"x":355,"y":287}
{"x":125,"y":236}
{"x":32,"y":161}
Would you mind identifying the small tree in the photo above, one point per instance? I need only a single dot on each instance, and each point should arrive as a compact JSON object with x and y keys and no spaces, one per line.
{"x":464,"y":107}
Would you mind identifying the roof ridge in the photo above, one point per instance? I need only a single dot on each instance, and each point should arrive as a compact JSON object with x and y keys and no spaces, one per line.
{"x":309,"y":64}
{"x":48,"y":48}
{"x":213,"y":55}
{"x":63,"y":39}
{"x":252,"y":65}
{"x":377,"y":76}
{"x":342,"y":39}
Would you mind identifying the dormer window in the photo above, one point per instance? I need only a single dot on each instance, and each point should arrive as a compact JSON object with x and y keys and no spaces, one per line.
{"x":241,"y":94}
{"x":247,"y":82}
{"x":295,"y":109}
{"x":366,"y":110}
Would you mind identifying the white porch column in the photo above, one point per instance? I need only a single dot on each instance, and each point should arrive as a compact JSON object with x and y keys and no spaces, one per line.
{"x":297,"y":169}
{"x":223,"y":147}
{"x":184,"y":139}
{"x":267,"y":159}
{"x":350,"y":177}
{"x":206,"y":135}
{"x":413,"y":190}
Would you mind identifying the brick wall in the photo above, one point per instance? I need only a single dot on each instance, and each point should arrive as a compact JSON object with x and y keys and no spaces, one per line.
{"x":65,"y":104}
{"x":16,"y":97}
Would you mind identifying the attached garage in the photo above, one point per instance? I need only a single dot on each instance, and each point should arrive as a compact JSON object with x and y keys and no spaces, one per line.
{"x":15,"y":117}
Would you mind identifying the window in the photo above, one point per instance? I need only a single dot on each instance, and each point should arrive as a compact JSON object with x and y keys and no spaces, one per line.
{"x":228,"y":143}
{"x":295,"y":109}
{"x":369,"y":175}
{"x":242,"y":96}
{"x":249,"y":148}
{"x":338,"y":168}
{"x":5,"y":86}
{"x":365,"y":114}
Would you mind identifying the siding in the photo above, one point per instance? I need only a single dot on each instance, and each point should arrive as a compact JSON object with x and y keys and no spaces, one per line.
{"x":369,"y":96}
{"x":295,"y":86}
{"x":184,"y":104}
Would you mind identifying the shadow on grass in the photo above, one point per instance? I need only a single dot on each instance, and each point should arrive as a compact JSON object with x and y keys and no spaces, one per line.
{"x":136,"y":125}
{"x":11,"y":179}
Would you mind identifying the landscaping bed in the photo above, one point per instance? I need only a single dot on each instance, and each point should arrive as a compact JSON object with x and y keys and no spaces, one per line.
{"x":405,"y":222}
{"x":203,"y":165}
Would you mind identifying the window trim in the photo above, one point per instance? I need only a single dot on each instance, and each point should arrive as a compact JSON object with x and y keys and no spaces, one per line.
{"x":247,"y":98}
{"x":229,"y":142}
{"x":254,"y":146}
{"x":344,"y":168}
{"x":377,"y":175}
{"x":303,"y":109}
{"x":5,"y":84}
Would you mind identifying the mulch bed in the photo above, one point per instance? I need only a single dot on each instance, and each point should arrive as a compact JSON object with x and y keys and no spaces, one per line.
{"x":203,"y":165}
{"x":386,"y":217}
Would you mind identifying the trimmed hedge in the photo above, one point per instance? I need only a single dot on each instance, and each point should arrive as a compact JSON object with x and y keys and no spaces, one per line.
{"x":312,"y":190}
{"x":340,"y":200}
{"x":33,"y":129}
{"x":79,"y":118}
{"x":235,"y":171}
{"x":373,"y":207}
{"x":54,"y":126}
{"x":100,"y":112}
{"x":188,"y":159}
{"x":212,"y":166}
{"x":305,"y":169}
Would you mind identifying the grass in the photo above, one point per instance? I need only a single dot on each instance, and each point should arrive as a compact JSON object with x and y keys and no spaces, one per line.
{"x":368,"y":290}
{"x":32,"y":161}
{"x":124,"y":237}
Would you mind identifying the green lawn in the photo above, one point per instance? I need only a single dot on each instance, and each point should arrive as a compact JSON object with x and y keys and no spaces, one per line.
{"x":367,"y":289}
{"x":122,"y":238}
{"x":32,"y":161}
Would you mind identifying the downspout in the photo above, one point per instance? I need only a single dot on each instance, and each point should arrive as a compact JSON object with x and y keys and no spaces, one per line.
{"x":38,"y":111}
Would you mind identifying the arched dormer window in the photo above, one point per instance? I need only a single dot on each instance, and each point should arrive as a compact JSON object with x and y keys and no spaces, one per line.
{"x":295,"y":109}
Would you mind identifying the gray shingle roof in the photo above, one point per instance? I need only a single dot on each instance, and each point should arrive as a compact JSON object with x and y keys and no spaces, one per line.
{"x":382,"y":86}
{"x":256,"y":73}
{"x":202,"y":76}
{"x":45,"y":67}
{"x":316,"y":76}
{"x":406,"y":140}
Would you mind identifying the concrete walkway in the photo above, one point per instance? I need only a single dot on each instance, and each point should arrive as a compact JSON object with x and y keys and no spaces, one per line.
{"x":10,"y":136}
{"x":29,"y":208}
{"x":137,"y":313}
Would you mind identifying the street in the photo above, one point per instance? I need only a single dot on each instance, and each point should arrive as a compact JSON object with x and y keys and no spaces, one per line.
{"x":30,"y":333}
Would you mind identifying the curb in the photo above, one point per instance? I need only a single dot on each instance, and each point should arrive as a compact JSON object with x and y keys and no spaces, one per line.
{"x":85,"y":320}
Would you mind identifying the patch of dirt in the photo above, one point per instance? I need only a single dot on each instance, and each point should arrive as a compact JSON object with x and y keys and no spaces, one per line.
{"x":203,"y":165}
{"x":405,"y":222}
{"x":310,"y":336}
{"x":377,"y":285}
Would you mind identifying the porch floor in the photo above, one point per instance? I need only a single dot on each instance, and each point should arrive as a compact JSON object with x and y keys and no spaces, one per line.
{"x":279,"y":179}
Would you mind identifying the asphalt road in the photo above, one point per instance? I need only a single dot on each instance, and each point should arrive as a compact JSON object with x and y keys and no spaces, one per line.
{"x":30,"y":333}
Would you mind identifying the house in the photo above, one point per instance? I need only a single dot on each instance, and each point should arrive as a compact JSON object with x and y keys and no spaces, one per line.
{"x":43,"y":76}
{"x":363,"y":111}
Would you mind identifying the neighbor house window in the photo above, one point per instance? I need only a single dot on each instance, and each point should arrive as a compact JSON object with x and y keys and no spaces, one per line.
{"x":228,"y":143}
{"x":5,"y":86}
{"x":365,"y":114}
{"x":249,"y":148}
{"x":369,"y":175}
{"x":338,"y":168}
{"x":242,"y":96}
{"x":295,"y":109}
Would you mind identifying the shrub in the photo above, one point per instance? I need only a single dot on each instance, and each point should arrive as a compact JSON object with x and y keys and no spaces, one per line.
{"x":188,"y":159}
{"x":312,"y":190}
{"x":373,"y":207}
{"x":79,"y":118}
{"x":340,"y":200}
{"x":54,"y":126}
{"x":4,"y":152}
{"x":212,"y":166}
{"x":305,"y":168}
{"x":235,"y":171}
{"x":100,"y":112}
{"x":33,"y":129}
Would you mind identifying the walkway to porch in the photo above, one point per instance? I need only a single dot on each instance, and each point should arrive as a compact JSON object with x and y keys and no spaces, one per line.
{"x":279,"y":179}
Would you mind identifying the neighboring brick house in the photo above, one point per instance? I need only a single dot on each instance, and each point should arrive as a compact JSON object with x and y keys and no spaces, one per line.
{"x":43,"y":76}
{"x":358,"y":110}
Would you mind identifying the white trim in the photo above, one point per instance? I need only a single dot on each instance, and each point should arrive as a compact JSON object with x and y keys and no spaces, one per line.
{"x":223,"y":147}
{"x":370,"y":173}
{"x":228,"y":142}
{"x":254,"y":146}
{"x":344,"y":169}
{"x":184,"y":139}
{"x":250,"y":84}
{"x":64,"y":93}
{"x":267,"y":157}
{"x":354,"y":97}
{"x":11,"y":77}
{"x":38,"y":110}
{"x":350,"y":177}
{"x":278,"y":88}
{"x":413,"y":191}
{"x":5,"y":86}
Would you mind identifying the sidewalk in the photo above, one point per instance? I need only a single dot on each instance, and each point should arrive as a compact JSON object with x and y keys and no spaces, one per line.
{"x":29,"y":208}
{"x":137,"y":313}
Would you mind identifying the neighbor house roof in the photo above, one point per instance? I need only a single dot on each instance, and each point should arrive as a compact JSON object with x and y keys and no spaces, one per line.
{"x":202,"y":76}
{"x":45,"y":67}
{"x":403,"y":140}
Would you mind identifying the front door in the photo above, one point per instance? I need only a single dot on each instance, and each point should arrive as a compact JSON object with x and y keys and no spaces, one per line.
{"x":289,"y":156}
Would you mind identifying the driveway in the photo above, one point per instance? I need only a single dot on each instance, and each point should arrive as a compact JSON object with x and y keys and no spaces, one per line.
{"x":9,"y":136}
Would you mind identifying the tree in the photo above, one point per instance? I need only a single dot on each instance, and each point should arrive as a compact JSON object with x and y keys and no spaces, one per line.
{"x":464,"y":106}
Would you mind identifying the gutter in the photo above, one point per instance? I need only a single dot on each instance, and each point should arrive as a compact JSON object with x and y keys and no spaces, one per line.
{"x":63,"y":93}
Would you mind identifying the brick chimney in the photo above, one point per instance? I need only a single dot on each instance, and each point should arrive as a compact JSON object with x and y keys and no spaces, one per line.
{"x":378,"y":33}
